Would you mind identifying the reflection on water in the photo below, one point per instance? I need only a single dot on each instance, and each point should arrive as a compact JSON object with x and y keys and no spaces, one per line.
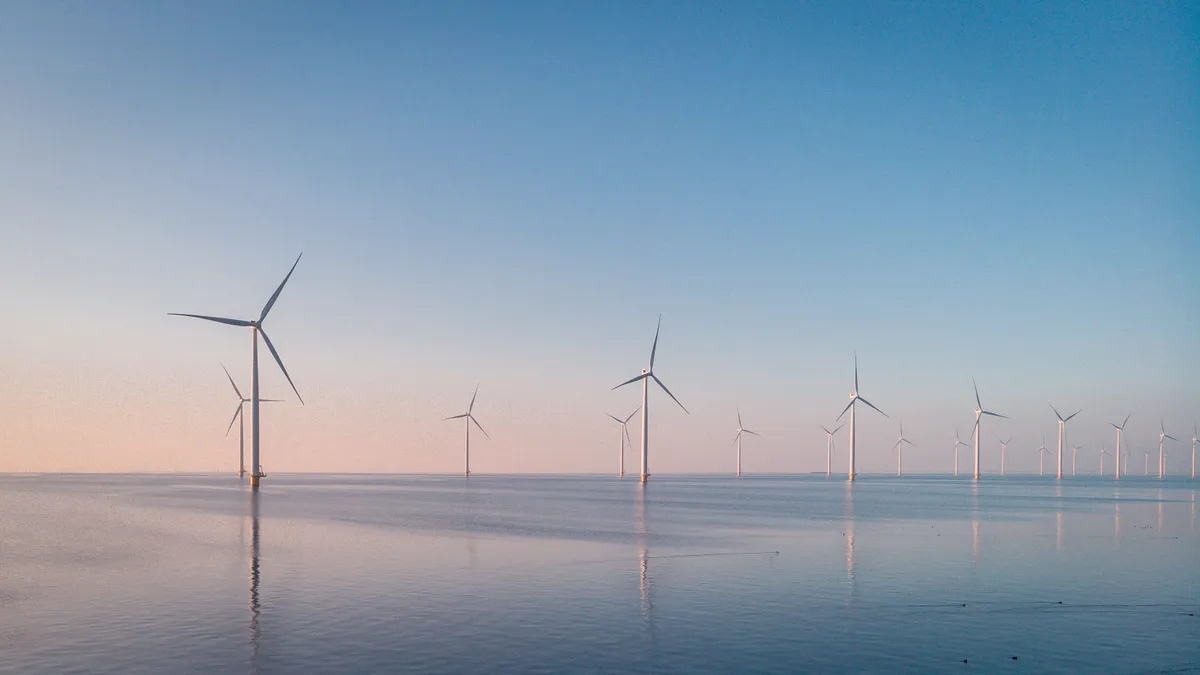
{"x":851,"y":563}
{"x":254,"y":574}
{"x":645,"y":586}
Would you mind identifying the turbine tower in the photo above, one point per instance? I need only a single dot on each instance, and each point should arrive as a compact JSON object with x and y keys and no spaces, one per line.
{"x":468,"y":418}
{"x":899,"y":448}
{"x":1162,"y":460}
{"x":1062,"y":425}
{"x":1120,"y":432}
{"x":979,"y":412}
{"x":737,"y":440}
{"x":829,"y":447}
{"x":237,"y":415}
{"x":957,"y":444}
{"x":256,"y":328}
{"x":645,"y":377}
{"x":1146,"y":470}
{"x":855,"y":398}
{"x":1195,"y":437}
{"x":1074,"y":457}
{"x":1103,"y":452}
{"x":624,"y":435}
{"x":1003,"y":453}
{"x":1042,"y":452}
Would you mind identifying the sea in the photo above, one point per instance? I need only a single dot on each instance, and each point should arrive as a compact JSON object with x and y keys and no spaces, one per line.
{"x":196,"y":573}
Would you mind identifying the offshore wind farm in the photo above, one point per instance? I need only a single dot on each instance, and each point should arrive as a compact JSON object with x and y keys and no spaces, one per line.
{"x":457,"y":222}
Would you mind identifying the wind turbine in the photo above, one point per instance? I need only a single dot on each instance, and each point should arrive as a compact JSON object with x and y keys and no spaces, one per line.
{"x":1125,"y":459}
{"x":1074,"y":456}
{"x":829,"y":446}
{"x":645,"y":377}
{"x":1062,"y":425}
{"x":979,"y":412}
{"x":1042,"y":452}
{"x":1103,"y":452}
{"x":1003,"y":453}
{"x":957,"y":444}
{"x":855,"y":398}
{"x":624,"y":435}
{"x":1195,"y":437}
{"x":1120,"y":432}
{"x":1162,"y":460}
{"x":469,"y":418}
{"x":899,"y":448}
{"x":737,"y":440}
{"x":256,"y":328}
{"x":237,"y":414}
{"x":1147,"y":468}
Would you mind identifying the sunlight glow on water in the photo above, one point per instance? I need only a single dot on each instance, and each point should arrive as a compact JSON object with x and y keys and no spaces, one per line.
{"x":343,"y":574}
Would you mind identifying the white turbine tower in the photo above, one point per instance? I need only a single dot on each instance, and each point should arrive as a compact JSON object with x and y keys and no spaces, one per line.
{"x":1146,"y":470}
{"x":237,"y":415}
{"x":1125,"y":460}
{"x":1162,"y":459}
{"x":1074,"y":457}
{"x":979,"y":412}
{"x":645,"y":377}
{"x":855,"y":398}
{"x":1195,"y":437}
{"x":957,"y":444}
{"x":624,"y":435}
{"x":256,"y":328}
{"x":1062,"y":425}
{"x":1120,"y":432}
{"x":737,"y":440}
{"x":468,"y":418}
{"x":1042,"y":452}
{"x":829,"y":447}
{"x":899,"y":451}
{"x":1103,"y":452}
{"x":1003,"y":453}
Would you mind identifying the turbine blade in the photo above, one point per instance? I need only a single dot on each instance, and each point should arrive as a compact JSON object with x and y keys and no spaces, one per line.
{"x":275,"y":295}
{"x":839,"y":427}
{"x":455,"y":417}
{"x":654,"y":347}
{"x":870,"y":404}
{"x":472,"y":418}
{"x":235,"y":416}
{"x":635,"y":411}
{"x":664,"y":388}
{"x":1055,"y":412}
{"x":279,"y":361}
{"x":627,"y":437}
{"x":218,"y":319}
{"x":471,"y":406}
{"x":739,"y":413}
{"x":856,"y":372}
{"x":1126,"y":420}
{"x":235,"y":389}
{"x":752,"y":433}
{"x":615,"y":419}
{"x":735,"y":438}
{"x":988,"y":412}
{"x":909,"y":442}
{"x":1073,"y":414}
{"x":825,"y":430}
{"x":1171,"y":437}
{"x":630,"y":381}
{"x":847,"y":408}
{"x":977,"y":403}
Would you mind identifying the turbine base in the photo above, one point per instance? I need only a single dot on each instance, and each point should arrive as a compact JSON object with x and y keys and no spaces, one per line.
{"x":254,"y":481}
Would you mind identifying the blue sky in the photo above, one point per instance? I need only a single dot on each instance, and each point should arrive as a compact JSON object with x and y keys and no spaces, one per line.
{"x":511,"y":193}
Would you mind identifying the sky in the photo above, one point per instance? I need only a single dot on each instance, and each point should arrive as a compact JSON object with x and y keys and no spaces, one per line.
{"x":510,"y":194}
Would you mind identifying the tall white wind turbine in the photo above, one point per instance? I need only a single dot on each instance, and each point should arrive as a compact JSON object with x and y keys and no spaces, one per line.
{"x":468,"y":418}
{"x":829,"y":447}
{"x":900,"y":451}
{"x":1074,"y":457}
{"x":237,"y":415}
{"x":645,"y":377}
{"x":957,"y":444}
{"x":1120,"y":432}
{"x":1042,"y":452}
{"x":1162,"y":459}
{"x":624,"y":435}
{"x":737,"y":440}
{"x":256,"y":328}
{"x":855,"y":398}
{"x":1062,"y":425}
{"x":979,"y":412}
{"x":1103,"y":452}
{"x":1146,"y":470}
{"x":1003,"y":453}
{"x":1195,"y":437}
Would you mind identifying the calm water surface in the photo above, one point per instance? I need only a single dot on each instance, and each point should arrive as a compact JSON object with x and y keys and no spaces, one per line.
{"x":348,"y":574}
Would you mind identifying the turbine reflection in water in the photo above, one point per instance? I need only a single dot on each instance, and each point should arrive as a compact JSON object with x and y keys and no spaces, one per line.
{"x":851,"y":561}
{"x":254,"y":578}
{"x":645,"y":586}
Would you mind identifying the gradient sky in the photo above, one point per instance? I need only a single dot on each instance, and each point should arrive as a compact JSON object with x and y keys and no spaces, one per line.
{"x":511,"y":193}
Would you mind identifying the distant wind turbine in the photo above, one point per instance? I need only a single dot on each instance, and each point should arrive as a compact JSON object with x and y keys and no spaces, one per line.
{"x":1125,"y":460}
{"x":256,"y":328}
{"x":855,"y":398}
{"x":1147,"y":469}
{"x":957,"y":444}
{"x":1120,"y":432}
{"x":1162,"y":459}
{"x":1042,"y":452}
{"x":624,"y":435}
{"x":979,"y":412}
{"x":737,"y":440}
{"x":1103,"y":452}
{"x":1195,"y":437}
{"x":1003,"y":453}
{"x":1074,"y":456}
{"x":468,"y":418}
{"x":829,"y":447}
{"x":1062,"y":425}
{"x":645,"y":377}
{"x":899,"y":451}
{"x":237,"y":415}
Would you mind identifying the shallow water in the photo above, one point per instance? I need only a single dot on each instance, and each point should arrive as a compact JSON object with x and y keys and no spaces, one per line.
{"x":344,"y":574}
